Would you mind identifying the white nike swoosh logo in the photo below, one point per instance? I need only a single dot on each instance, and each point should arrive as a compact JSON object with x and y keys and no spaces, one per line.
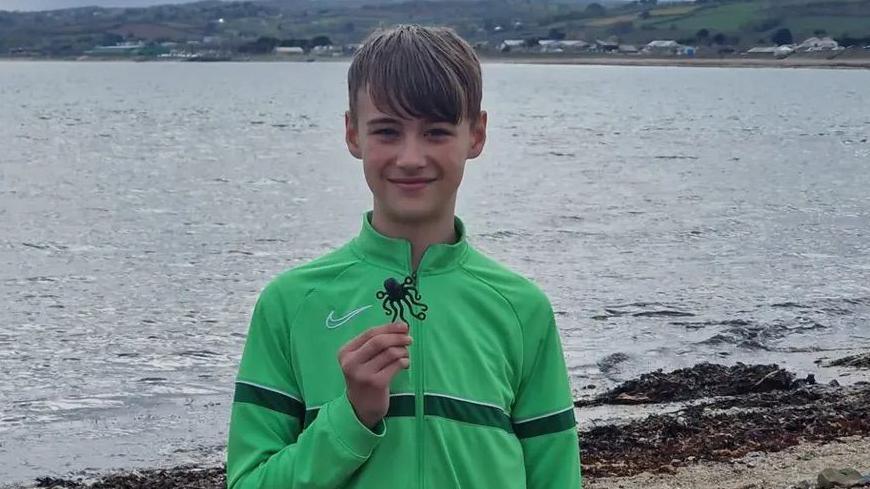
{"x":333,"y":322}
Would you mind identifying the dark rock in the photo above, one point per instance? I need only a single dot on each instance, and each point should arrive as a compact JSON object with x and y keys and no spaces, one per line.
{"x":702,"y":380}
{"x":854,"y":361}
{"x":179,"y":477}
{"x":763,"y":422}
{"x":830,"y":478}
{"x":611,"y":362}
{"x":54,"y":482}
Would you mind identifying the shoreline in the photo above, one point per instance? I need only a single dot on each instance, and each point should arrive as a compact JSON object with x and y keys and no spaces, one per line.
{"x":737,"y":427}
{"x":794,"y":62}
{"x":856,"y":63}
{"x":797,"y":467}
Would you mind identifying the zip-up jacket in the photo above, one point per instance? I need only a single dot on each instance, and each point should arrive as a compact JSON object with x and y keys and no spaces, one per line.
{"x":485,"y":404}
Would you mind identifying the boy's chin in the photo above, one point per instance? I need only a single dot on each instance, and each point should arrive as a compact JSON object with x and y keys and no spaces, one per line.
{"x":412,"y":212}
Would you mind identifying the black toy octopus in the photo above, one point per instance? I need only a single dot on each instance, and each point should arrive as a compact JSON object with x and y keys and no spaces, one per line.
{"x":398,"y":297}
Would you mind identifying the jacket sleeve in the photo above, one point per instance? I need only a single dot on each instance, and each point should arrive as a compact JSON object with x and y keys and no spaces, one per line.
{"x":267,"y":447}
{"x":543,"y":411}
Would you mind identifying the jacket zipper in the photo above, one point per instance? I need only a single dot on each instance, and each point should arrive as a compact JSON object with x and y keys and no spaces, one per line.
{"x":420,"y":405}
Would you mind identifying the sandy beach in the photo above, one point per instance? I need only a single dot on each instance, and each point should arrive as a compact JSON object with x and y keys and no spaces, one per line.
{"x":757,"y":470}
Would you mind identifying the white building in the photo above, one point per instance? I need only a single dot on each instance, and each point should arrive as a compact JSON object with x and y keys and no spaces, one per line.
{"x":325,"y":50}
{"x":574,"y":45}
{"x":662,"y":47}
{"x":606,"y":46}
{"x":783,"y":52}
{"x":511,"y":45}
{"x":762,"y":50}
{"x":816,"y":44}
{"x":289,"y":50}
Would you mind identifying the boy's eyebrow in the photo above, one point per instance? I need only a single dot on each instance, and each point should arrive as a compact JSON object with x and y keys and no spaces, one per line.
{"x":394,"y":120}
{"x":382,"y":120}
{"x":440,"y":121}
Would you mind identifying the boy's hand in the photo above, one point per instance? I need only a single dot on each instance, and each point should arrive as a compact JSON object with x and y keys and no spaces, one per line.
{"x":369,"y":363}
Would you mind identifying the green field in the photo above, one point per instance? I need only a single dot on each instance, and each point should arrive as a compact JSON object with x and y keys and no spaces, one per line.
{"x":834,"y":26}
{"x":720,"y":18}
{"x":741,"y":23}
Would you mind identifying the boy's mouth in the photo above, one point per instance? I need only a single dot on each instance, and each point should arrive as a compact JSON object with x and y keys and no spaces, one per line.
{"x":415,"y":183}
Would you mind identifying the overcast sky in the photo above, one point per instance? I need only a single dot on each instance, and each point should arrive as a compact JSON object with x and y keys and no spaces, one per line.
{"x":56,"y":4}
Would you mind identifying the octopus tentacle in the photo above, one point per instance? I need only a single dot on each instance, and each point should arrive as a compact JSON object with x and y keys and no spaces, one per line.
{"x":402,"y":311}
{"x":411,"y":308}
{"x":394,"y":311}
{"x":413,"y":292}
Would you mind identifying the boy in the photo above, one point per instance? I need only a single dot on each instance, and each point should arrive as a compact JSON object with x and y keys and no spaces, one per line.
{"x":449,"y":370}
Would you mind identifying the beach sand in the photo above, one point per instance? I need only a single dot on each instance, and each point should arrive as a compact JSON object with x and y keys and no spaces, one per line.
{"x":757,"y":470}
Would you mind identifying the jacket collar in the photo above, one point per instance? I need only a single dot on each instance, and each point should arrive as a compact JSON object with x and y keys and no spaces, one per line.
{"x":395,"y":253}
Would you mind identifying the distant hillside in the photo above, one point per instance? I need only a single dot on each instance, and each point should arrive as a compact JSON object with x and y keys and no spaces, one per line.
{"x":36,"y":5}
{"x":735,"y":22}
{"x":233,"y":25}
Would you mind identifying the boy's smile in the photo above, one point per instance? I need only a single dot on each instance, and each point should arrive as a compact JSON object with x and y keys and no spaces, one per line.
{"x":412,"y":165}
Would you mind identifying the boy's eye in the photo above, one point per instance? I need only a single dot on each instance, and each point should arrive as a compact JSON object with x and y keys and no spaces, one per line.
{"x":385,"y":131}
{"x":438,"y":132}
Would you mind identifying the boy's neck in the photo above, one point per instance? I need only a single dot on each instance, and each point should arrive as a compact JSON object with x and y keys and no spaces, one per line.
{"x":421,"y":234}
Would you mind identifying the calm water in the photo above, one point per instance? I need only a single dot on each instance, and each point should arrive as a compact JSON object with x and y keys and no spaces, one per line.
{"x":673,"y":215}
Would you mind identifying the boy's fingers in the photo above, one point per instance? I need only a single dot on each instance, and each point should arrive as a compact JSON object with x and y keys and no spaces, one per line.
{"x":360,"y":340}
{"x":387,"y":373}
{"x":377,"y":344}
{"x":386,"y":357}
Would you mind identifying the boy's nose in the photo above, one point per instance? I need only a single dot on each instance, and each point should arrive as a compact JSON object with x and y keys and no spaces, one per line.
{"x":411,"y":154}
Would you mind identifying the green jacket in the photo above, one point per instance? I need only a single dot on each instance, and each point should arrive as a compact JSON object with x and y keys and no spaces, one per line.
{"x":485,"y":404}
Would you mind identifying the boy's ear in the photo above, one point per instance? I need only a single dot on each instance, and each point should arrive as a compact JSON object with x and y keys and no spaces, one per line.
{"x":478,"y":136}
{"x":351,"y":136}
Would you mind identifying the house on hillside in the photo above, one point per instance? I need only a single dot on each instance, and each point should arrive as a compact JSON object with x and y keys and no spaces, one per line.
{"x":550,"y":46}
{"x":512,"y":45}
{"x":818,"y":44}
{"x":762,"y":50}
{"x":783,"y":51}
{"x":607,"y":46}
{"x":120,"y":49}
{"x":663,"y":47}
{"x":326,"y":50}
{"x":574,"y":45}
{"x":289,"y":50}
{"x":778,"y":52}
{"x":564,"y":45}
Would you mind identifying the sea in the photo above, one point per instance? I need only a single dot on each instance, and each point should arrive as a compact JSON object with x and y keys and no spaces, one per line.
{"x":673,"y":215}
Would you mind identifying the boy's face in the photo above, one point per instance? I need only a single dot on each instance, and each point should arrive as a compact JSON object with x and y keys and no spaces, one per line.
{"x":412,"y":166}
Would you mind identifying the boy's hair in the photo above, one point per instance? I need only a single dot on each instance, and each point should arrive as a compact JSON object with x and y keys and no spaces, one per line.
{"x":420,"y":72}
